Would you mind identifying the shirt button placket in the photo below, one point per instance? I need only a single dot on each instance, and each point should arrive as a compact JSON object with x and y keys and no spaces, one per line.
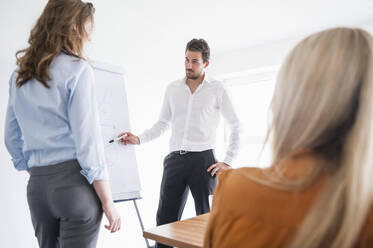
{"x":187,"y":121}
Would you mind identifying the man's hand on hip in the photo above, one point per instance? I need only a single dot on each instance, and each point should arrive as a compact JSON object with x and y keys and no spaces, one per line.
{"x":218,"y":167}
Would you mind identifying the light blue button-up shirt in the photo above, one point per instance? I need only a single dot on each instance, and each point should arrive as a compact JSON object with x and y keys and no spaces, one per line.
{"x":48,"y":126}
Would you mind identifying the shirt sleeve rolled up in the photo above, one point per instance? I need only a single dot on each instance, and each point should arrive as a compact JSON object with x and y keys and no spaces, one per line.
{"x":230,"y":117}
{"x":13,"y":135}
{"x":85,"y":126}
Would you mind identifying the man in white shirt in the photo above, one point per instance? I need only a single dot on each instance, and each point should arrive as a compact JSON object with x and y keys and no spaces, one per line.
{"x":192,"y":106}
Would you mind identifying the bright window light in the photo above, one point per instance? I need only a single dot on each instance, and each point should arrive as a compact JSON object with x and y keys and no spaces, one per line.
{"x":251,"y":92}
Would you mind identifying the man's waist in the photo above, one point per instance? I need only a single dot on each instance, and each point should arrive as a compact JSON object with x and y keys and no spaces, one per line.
{"x":191,"y":147}
{"x":182,"y":152}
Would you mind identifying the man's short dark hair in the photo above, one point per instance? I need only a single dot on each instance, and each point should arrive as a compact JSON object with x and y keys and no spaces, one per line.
{"x":199,"y":45}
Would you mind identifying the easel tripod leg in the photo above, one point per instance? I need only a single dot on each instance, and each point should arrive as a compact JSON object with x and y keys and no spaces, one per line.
{"x":141,"y":224}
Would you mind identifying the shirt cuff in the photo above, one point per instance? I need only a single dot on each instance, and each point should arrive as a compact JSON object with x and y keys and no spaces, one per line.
{"x":228,"y":160}
{"x":143,"y":139}
{"x":20,"y":164}
{"x":95,"y":174}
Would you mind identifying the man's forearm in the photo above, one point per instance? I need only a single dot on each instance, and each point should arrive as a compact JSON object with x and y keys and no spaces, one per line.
{"x":154,"y":132}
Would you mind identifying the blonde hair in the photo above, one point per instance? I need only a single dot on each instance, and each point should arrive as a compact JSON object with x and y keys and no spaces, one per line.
{"x":323,"y":101}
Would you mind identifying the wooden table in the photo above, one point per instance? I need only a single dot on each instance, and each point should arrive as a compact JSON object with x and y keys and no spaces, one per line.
{"x":183,"y":234}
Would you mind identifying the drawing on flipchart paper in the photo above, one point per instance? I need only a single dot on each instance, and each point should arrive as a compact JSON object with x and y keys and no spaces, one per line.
{"x":109,"y":127}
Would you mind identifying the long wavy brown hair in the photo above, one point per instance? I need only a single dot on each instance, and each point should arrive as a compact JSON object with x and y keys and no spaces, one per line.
{"x":61,"y":27}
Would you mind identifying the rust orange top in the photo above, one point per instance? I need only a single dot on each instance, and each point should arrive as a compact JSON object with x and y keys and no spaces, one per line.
{"x":247,"y":213}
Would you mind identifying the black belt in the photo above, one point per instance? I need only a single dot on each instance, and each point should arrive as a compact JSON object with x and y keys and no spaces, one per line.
{"x":181,"y":152}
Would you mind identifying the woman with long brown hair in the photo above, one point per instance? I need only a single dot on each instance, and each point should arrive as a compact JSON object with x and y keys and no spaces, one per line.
{"x":319,"y":190}
{"x":52,"y":130}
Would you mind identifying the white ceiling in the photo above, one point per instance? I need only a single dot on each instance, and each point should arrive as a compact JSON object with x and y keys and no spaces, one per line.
{"x":225,"y":24}
{"x":240,"y":23}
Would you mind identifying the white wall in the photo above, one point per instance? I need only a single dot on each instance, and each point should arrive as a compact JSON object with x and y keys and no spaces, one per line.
{"x":266,"y":54}
{"x":13,"y":208}
{"x":127,"y":33}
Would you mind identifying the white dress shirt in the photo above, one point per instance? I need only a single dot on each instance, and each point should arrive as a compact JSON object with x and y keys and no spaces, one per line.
{"x":195,"y":117}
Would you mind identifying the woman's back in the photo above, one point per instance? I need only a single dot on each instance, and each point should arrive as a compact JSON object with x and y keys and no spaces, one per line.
{"x":46,"y":116}
{"x":247,"y":213}
{"x":58,"y":123}
{"x":43,"y":113}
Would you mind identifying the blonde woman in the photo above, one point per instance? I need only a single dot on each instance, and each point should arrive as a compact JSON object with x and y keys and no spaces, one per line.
{"x":52,"y":130}
{"x":319,"y":190}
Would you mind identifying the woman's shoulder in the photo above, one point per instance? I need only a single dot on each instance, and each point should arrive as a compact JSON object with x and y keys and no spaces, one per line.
{"x":258,"y":192}
{"x":246,"y":182}
{"x":257,"y":211}
{"x":243,"y":171}
{"x":241,"y":176}
{"x":275,"y":180}
{"x":71,"y":64}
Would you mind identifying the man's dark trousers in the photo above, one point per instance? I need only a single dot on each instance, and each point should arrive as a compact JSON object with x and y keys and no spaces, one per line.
{"x":183,"y":171}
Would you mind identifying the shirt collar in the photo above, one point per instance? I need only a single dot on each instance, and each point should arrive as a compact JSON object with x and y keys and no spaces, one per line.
{"x":207,"y":80}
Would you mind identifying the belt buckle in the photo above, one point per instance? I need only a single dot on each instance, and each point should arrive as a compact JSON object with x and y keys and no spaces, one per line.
{"x":182,"y":152}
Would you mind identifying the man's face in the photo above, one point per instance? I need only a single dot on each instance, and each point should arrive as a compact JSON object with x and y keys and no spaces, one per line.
{"x":194,"y":66}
